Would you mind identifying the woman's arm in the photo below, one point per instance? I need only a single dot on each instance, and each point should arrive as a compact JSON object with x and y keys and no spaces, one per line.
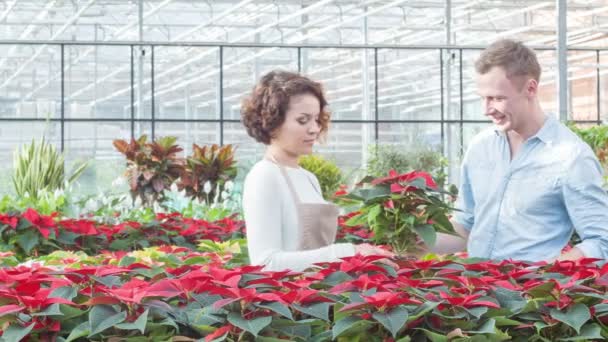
{"x":263,"y":206}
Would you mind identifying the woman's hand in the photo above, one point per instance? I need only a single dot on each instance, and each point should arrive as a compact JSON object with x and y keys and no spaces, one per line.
{"x":368,"y":249}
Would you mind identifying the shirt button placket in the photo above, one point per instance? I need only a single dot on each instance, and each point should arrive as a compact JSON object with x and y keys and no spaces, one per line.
{"x":501,"y":198}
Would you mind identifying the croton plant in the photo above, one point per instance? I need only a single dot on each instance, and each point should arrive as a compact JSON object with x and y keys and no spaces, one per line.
{"x":151,"y":166}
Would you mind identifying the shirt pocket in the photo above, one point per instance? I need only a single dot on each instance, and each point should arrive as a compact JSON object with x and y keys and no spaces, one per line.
{"x":535,"y":194}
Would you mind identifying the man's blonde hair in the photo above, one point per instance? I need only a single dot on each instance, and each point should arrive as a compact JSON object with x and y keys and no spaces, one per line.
{"x":514,"y":57}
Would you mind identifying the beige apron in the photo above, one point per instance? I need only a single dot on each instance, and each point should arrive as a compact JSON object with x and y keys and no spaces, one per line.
{"x":317,"y":222}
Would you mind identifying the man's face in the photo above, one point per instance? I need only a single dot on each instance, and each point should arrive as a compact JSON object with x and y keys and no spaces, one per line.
{"x":505,"y":101}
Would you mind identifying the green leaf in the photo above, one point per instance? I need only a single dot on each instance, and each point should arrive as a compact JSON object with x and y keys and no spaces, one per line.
{"x":51,"y":310}
{"x":427,"y":233}
{"x":356,"y":220}
{"x":269,"y":339}
{"x":486,"y":328}
{"x":118,"y":245}
{"x":321,"y":337}
{"x":277,"y":307}
{"x":80,"y":331}
{"x":300,"y":330}
{"x":344,"y":325}
{"x":28,"y":240}
{"x":66,"y":237}
{"x":70,"y":312}
{"x":542,"y":290}
{"x":477,"y":312}
{"x":318,"y":310}
{"x":336,"y":278}
{"x":504,"y":321}
{"x":588,"y":332}
{"x":394,"y":320}
{"x":15,"y":332}
{"x":434,"y":337}
{"x":102,"y":317}
{"x":65,"y":292}
{"x":422,"y":310}
{"x":373,"y":213}
{"x":511,"y":300}
{"x":126,"y":261}
{"x":253,"y":326}
{"x":576,"y":316}
{"x":139,"y":324}
{"x":109,"y":281}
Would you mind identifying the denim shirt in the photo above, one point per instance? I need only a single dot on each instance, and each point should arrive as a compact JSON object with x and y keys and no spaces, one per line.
{"x":527,"y":208}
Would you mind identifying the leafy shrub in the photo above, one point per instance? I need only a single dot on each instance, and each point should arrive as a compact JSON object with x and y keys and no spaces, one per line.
{"x":40,"y":167}
{"x":383,"y":158}
{"x":597,"y":138}
{"x":327,"y":172}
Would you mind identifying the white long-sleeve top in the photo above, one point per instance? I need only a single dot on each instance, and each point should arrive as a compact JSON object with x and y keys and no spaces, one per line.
{"x":272,"y":220}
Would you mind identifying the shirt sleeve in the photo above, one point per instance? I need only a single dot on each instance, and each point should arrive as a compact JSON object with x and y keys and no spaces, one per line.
{"x":587,"y":205}
{"x":465,"y":204}
{"x":263,"y":207}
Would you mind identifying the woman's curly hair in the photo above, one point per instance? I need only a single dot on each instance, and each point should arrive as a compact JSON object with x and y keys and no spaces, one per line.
{"x":264,"y":110}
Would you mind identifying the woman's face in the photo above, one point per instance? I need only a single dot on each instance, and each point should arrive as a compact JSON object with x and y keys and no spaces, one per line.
{"x":298,"y":133}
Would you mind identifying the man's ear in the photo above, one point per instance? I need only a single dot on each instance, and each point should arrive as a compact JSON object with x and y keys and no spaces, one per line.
{"x":531,"y":87}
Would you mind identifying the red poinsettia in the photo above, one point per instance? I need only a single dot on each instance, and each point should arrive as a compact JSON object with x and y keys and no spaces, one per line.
{"x":9,"y":220}
{"x":394,"y":179}
{"x":44,"y":224}
{"x":401,"y":209}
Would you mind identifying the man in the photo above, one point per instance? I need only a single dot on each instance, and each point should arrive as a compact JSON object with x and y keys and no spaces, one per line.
{"x":527,"y":182}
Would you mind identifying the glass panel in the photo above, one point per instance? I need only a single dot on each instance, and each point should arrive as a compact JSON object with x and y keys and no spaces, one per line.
{"x":187,"y":133}
{"x":547,"y":91}
{"x":348,"y":79}
{"x":243,"y":67}
{"x":93,"y":141}
{"x":186,"y":80}
{"x":98,"y":82}
{"x":409,"y":85}
{"x":347,"y":145}
{"x":410,"y":134}
{"x":457,"y":140}
{"x":248,"y":151}
{"x":603,"y":86}
{"x":582,"y":83}
{"x":30,"y":85}
{"x":13,"y":135}
{"x":471,"y":106}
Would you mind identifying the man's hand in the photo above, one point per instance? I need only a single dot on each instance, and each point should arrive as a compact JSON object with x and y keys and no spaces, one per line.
{"x":448,"y":244}
{"x":573,"y":254}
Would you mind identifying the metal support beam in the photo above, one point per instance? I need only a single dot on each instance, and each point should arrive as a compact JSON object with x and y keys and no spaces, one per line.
{"x":562,"y":60}
{"x":140,"y":62}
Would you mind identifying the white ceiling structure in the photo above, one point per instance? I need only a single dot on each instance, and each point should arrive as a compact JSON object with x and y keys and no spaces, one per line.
{"x":98,"y":38}
{"x":102,"y":74}
{"x":97,"y":75}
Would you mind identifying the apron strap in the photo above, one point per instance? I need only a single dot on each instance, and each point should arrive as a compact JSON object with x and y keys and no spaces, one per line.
{"x":292,"y":189}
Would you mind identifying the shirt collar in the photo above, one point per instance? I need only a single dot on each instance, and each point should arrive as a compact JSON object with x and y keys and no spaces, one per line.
{"x":544,"y":134}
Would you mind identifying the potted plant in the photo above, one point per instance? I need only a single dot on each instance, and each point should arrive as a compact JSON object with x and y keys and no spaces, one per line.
{"x":207,"y":170}
{"x":400,"y":209}
{"x":151,"y":166}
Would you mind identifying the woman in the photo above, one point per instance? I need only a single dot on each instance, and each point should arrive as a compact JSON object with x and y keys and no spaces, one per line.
{"x":289,"y":224}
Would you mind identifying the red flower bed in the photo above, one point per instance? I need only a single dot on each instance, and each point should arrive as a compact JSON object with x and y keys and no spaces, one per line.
{"x":357,"y":298}
{"x":32,"y":234}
